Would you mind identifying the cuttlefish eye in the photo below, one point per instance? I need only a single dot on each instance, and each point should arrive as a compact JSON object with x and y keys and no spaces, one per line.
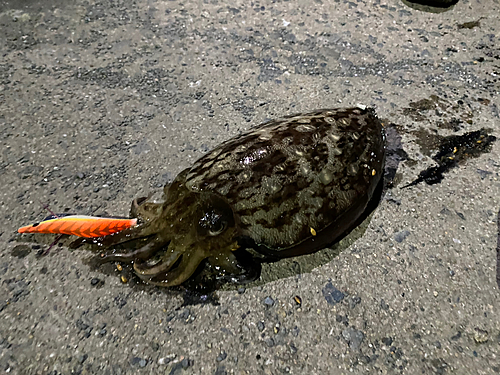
{"x":212,"y":223}
{"x":215,"y":216}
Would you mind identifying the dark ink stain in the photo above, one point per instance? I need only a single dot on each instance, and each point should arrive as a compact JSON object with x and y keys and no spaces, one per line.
{"x":454,"y":150}
{"x":454,"y":124}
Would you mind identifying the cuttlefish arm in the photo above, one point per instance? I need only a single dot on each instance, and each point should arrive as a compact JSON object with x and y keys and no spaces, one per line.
{"x":175,"y":265}
{"x":142,"y":253}
{"x":173,"y":269}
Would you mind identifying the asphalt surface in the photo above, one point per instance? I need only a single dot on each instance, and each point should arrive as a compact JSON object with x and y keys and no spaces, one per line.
{"x":104,"y":101}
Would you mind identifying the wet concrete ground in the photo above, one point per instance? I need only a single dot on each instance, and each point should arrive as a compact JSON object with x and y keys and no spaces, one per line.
{"x":101,"y":102}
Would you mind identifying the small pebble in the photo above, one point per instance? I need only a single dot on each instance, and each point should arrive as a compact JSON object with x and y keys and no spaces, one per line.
{"x":354,"y":301}
{"x":167,"y":359}
{"x":269,"y":342}
{"x":241,"y":290}
{"x":222,"y":356}
{"x":332,"y":294}
{"x":387,"y":341}
{"x":268,"y":301}
{"x":135,"y":360}
{"x":384,"y":305}
{"x":185,"y":363}
{"x":400,"y":236}
{"x":260,"y":326}
{"x":353,"y":337}
{"x":480,"y":335}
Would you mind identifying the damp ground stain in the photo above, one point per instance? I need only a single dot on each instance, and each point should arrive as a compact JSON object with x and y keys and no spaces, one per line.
{"x":457,"y":112}
{"x":470,"y":25}
{"x":199,"y":290}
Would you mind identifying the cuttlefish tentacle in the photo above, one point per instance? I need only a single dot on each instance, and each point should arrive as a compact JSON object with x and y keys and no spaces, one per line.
{"x":162,"y":265}
{"x":130,"y":234}
{"x":144,"y":210}
{"x":143,"y":252}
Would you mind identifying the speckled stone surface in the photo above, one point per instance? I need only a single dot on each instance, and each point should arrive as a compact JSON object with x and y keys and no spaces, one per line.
{"x":104,"y":101}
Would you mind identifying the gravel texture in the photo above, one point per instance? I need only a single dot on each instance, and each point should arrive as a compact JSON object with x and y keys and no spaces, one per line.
{"x":104,"y":101}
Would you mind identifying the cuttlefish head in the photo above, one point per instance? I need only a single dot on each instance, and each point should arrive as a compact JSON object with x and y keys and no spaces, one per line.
{"x":195,"y":227}
{"x":177,"y":236}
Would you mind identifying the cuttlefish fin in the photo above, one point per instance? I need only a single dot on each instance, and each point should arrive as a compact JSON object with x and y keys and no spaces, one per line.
{"x":80,"y":225}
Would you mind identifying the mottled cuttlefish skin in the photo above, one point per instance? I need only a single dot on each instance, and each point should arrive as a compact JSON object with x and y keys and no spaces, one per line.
{"x":288,"y":186}
{"x":290,"y":175}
